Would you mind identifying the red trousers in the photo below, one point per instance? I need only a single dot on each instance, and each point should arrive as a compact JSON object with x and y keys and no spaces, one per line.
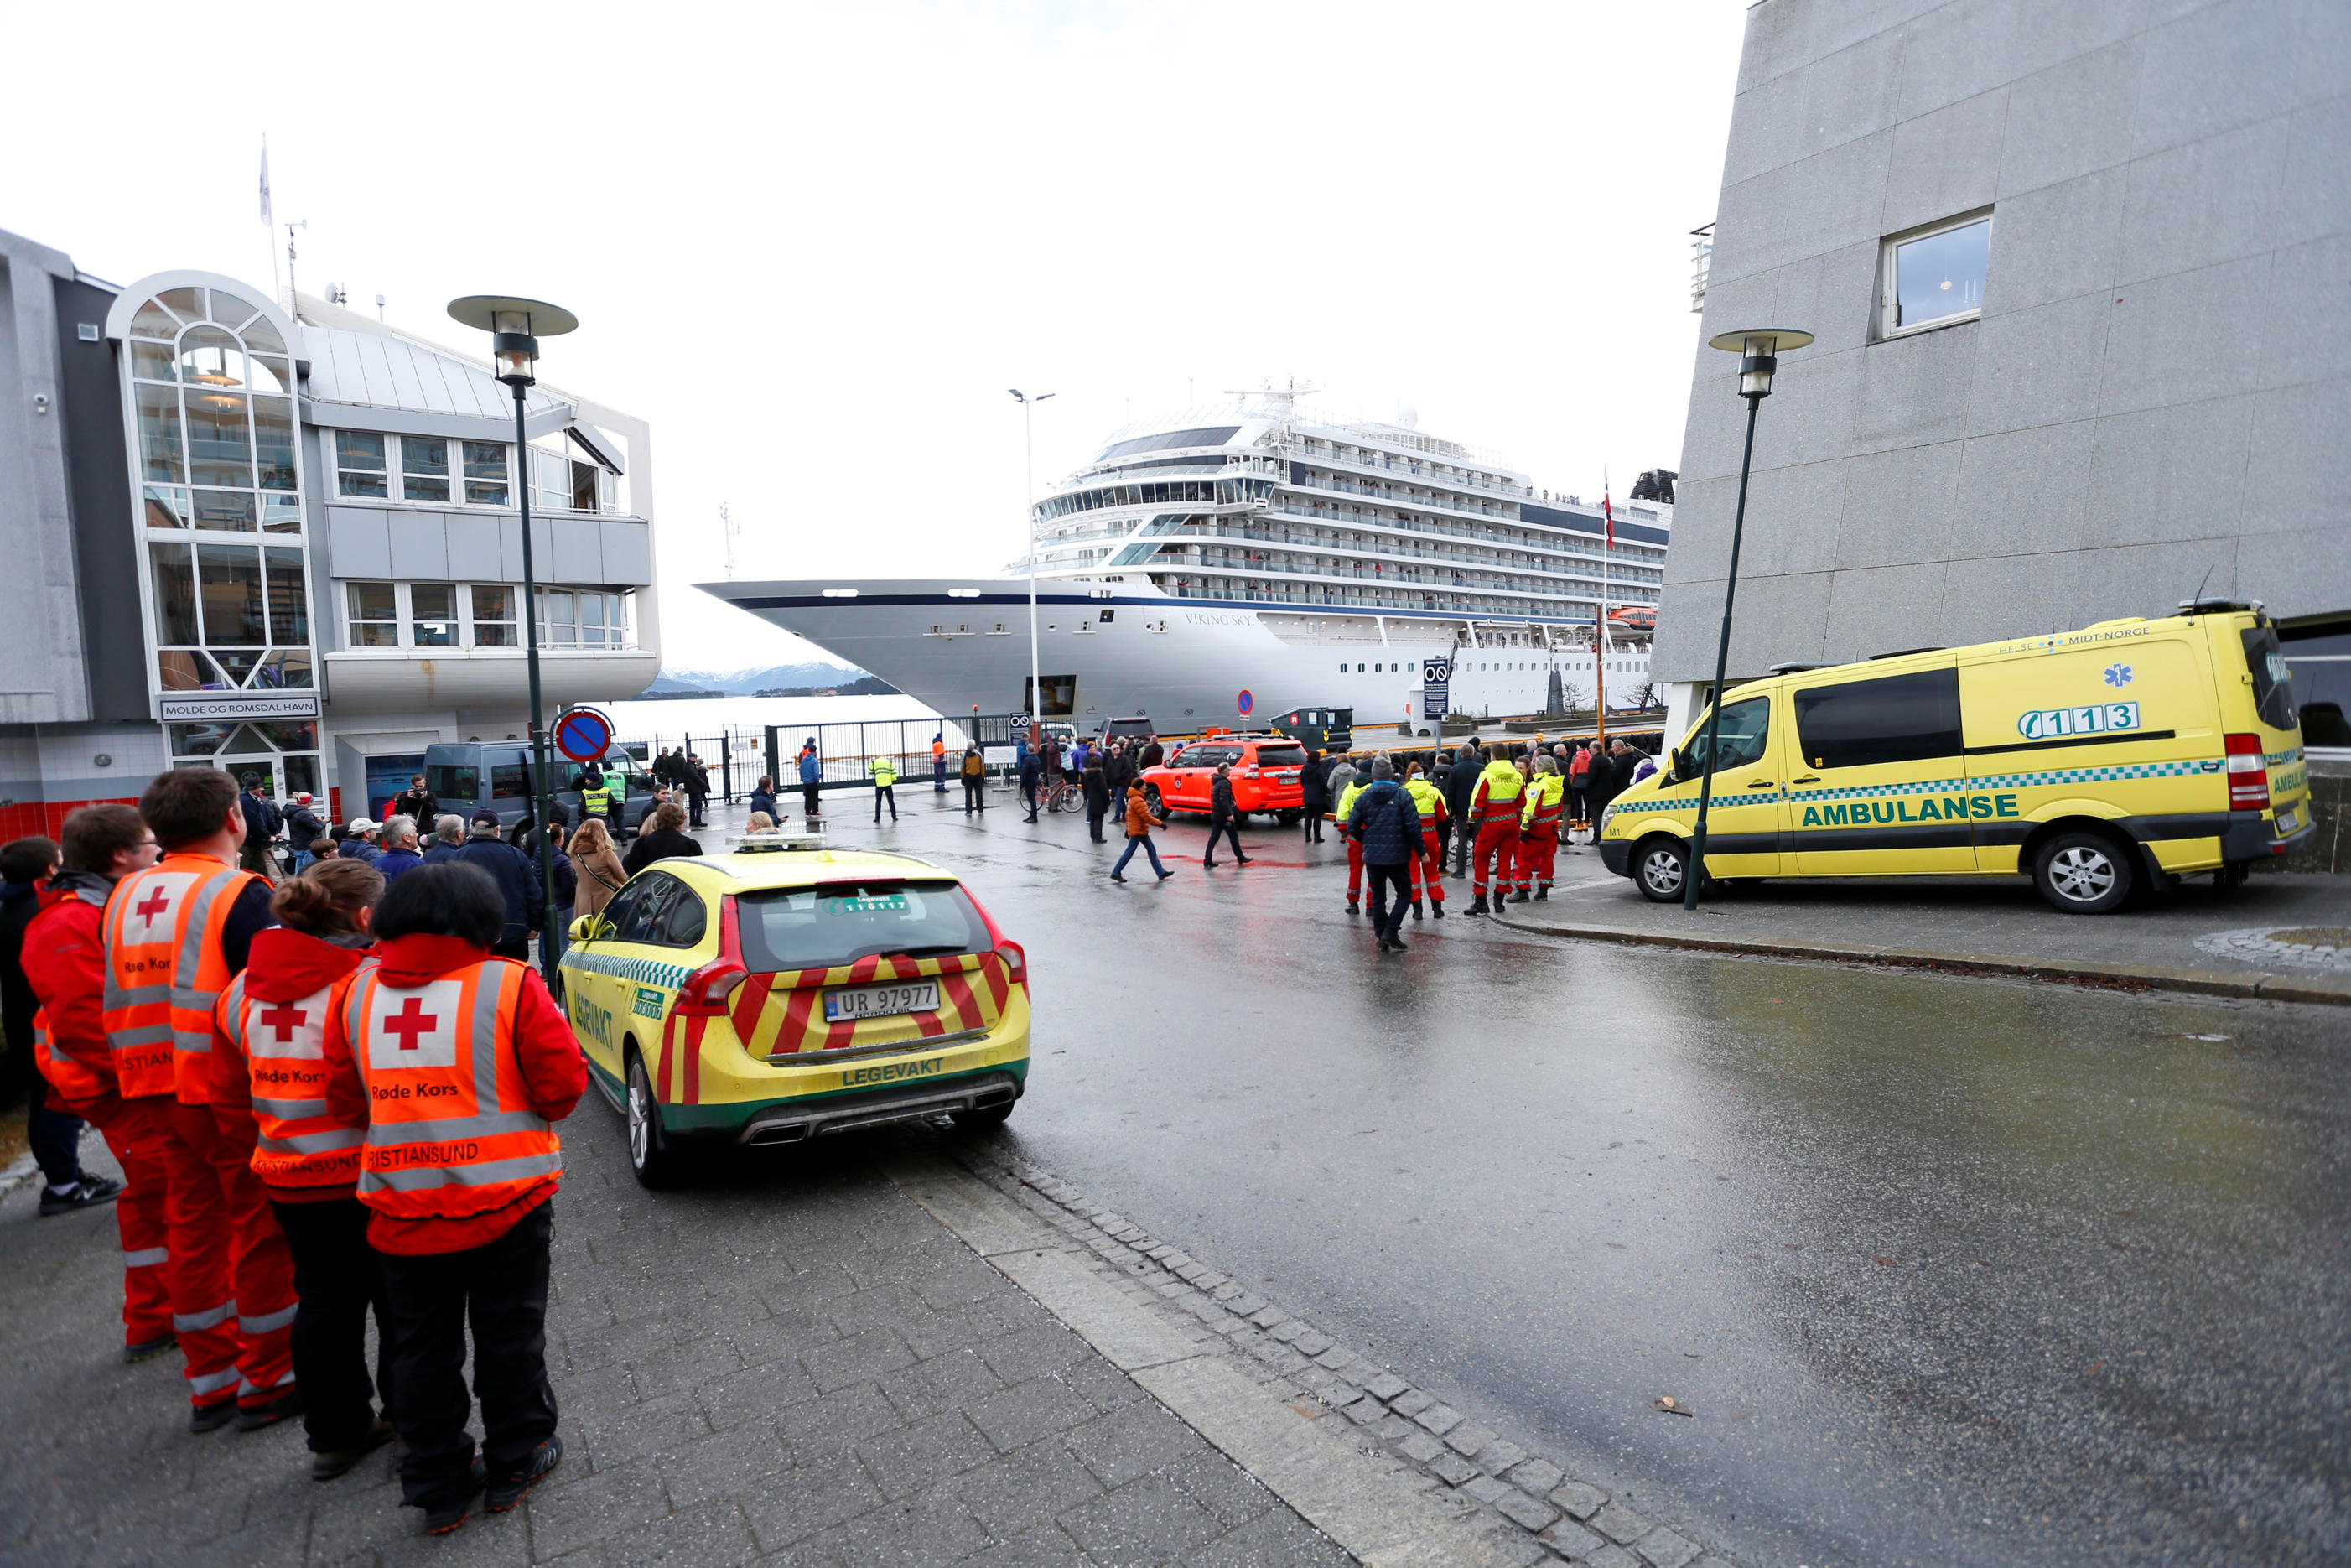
{"x":136,"y":1131}
{"x":1538,"y":855}
{"x":1355,"y":869}
{"x":1497,"y":846}
{"x":231,"y":1277}
{"x":1430,"y":869}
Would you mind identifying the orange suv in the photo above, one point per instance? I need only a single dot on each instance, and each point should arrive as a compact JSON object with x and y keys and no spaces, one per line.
{"x":1265,"y":776}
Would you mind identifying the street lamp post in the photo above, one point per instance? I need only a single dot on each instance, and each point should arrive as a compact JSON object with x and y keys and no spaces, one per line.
{"x":1029,"y":459}
{"x":515,"y":326}
{"x":1759,"y":349}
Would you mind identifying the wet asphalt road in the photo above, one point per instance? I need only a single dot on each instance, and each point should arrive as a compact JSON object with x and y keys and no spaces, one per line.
{"x":1952,"y":1271}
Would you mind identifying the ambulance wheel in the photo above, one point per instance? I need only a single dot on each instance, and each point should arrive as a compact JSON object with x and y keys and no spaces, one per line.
{"x":1661,"y":869}
{"x":2082,"y":873}
{"x":649,"y":1157}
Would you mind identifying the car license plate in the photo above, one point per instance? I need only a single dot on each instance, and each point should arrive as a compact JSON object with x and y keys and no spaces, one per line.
{"x":881,"y":1002}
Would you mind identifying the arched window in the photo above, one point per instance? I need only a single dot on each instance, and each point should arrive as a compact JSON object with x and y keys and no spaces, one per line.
{"x":210,"y":401}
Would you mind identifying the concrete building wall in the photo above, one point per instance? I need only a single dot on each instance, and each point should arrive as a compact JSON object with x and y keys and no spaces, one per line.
{"x":2157,"y":393}
{"x":44,"y":678}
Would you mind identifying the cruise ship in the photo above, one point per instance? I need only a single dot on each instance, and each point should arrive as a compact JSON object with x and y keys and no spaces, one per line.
{"x":1241,"y":560}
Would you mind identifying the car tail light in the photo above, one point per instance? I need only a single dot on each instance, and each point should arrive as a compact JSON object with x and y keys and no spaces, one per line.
{"x":1016,"y":961}
{"x":1248,"y":773}
{"x":707,"y":989}
{"x":2249,"y":774}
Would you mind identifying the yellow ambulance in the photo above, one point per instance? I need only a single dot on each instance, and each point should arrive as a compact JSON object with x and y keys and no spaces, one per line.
{"x":2118,"y":757}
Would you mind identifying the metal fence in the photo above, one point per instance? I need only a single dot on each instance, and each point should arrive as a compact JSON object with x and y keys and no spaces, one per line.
{"x":845,"y":751}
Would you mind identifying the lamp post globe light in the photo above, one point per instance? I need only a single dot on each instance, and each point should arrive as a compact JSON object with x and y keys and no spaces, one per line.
{"x":1028,"y":403}
{"x":1758,"y":348}
{"x":516,"y":326}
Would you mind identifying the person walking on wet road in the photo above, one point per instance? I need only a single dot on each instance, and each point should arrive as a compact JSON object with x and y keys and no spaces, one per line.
{"x":1097,"y":790}
{"x":1386,"y":822}
{"x":1139,"y":823}
{"x":1313,"y":795}
{"x":1032,"y":772}
{"x":1461,"y":787}
{"x":975,"y":780}
{"x":1224,"y":817}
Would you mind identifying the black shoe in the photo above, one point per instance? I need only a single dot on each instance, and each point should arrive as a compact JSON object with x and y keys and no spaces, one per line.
{"x":440,"y":1521}
{"x":1415,"y":909}
{"x":88,"y":1192}
{"x":1439,"y":908}
{"x":1207,"y":865}
{"x":212,"y":1417}
{"x":1395,"y":940}
{"x":1353,"y":908}
{"x":509,"y":1492}
{"x":148,"y":1350}
{"x":1477,"y":904}
{"x":1115,"y":877}
{"x":1521,"y":896}
{"x":1543,"y":895}
{"x":1244,"y":859}
{"x":253,"y":1417}
{"x":326,"y":1467}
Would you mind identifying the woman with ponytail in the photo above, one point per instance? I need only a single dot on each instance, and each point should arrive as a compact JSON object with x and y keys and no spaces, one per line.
{"x":269,"y":1092}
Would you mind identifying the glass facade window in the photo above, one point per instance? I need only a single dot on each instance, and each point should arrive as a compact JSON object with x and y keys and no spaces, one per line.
{"x":423,"y":468}
{"x":1935,"y":276}
{"x":359,"y":467}
{"x":486,"y":474}
{"x":432,"y":614}
{"x":494,"y":616}
{"x":374,"y":613}
{"x":582,"y":618}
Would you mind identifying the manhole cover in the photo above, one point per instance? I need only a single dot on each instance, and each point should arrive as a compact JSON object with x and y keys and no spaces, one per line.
{"x":2302,"y":946}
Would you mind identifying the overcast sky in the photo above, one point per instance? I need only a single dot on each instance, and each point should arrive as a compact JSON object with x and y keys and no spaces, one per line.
{"x":814,"y":244}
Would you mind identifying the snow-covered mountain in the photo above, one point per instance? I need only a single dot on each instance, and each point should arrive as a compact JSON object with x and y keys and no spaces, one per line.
{"x":749,"y":682}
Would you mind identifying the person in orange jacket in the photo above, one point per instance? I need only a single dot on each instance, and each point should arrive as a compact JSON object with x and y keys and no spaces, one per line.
{"x":454,"y":1064}
{"x":176,"y":935}
{"x":65,"y":962}
{"x":268,"y":1096}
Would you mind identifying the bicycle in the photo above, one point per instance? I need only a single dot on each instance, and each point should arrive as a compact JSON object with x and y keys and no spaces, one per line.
{"x":1064,"y":796}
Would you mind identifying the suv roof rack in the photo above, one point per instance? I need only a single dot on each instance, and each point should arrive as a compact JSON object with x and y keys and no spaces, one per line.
{"x":2216,"y":606}
{"x":1797,"y":669}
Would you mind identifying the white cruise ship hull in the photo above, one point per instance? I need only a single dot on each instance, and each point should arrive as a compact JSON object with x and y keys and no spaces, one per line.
{"x":961,"y":644}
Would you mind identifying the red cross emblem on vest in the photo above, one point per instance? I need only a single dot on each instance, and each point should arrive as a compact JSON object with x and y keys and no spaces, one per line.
{"x":155,"y":904}
{"x":411,"y":1021}
{"x":284,"y":1018}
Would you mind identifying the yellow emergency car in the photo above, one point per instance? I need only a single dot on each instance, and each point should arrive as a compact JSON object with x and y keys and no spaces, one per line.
{"x":788,"y":991}
{"x":2120,"y":757}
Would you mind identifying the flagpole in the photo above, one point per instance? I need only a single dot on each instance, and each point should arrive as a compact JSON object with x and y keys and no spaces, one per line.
{"x":269,"y":226}
{"x":1600,"y":640}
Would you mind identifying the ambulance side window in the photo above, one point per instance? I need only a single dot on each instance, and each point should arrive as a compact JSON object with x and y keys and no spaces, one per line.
{"x":1746,"y":726}
{"x":645,"y":918}
{"x":1868,"y":724}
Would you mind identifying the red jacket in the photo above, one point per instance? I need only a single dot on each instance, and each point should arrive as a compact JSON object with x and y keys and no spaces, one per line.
{"x":285,"y":966}
{"x":552,"y":1069}
{"x":65,"y":962}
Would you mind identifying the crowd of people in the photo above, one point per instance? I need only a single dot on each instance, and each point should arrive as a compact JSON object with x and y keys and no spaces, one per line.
{"x":333,"y":1099}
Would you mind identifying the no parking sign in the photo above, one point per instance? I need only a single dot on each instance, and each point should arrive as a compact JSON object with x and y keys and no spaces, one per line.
{"x":583,"y":734}
{"x":1245,"y":702}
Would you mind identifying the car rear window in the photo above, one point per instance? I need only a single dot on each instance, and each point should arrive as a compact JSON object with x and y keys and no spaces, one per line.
{"x":839,"y":923}
{"x":2272,"y":683}
{"x":1282,"y":756}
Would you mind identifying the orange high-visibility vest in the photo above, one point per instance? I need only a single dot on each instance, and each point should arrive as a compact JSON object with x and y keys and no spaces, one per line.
{"x":164,"y":973}
{"x":285,"y":1053}
{"x":451,"y":1130}
{"x":1545,"y":796}
{"x":71,"y":1079}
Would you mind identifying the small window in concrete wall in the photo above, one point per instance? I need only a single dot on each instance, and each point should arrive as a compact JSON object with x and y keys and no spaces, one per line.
{"x":1935,"y":276}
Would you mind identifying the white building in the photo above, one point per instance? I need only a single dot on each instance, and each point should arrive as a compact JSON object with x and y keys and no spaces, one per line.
{"x":288,"y":545}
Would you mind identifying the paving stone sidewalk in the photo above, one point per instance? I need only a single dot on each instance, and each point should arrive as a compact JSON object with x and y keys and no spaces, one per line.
{"x":789,"y":1362}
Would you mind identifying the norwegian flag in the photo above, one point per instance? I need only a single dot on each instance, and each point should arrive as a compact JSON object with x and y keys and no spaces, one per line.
{"x":1607,"y":510}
